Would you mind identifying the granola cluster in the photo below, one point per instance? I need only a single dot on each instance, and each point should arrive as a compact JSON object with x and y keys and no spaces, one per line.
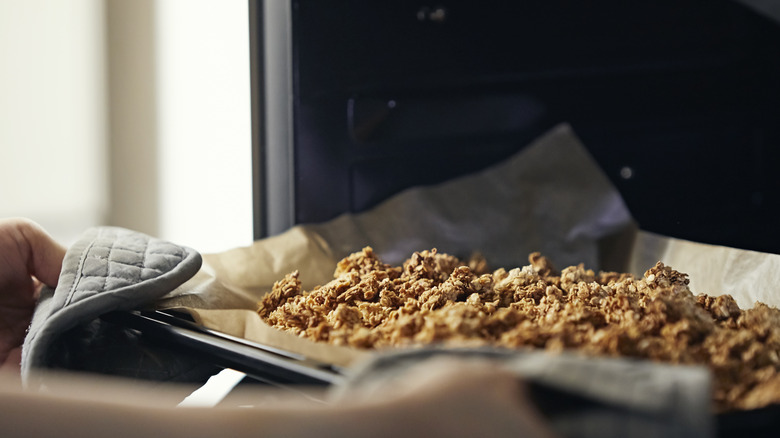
{"x":436,"y":298}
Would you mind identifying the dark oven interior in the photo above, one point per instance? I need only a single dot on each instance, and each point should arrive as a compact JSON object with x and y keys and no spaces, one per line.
{"x":678,"y":101}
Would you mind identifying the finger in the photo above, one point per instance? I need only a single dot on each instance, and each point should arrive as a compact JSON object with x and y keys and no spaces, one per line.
{"x":45,"y":255}
{"x":37,"y":287}
{"x":446,"y":373}
{"x":12,"y":362}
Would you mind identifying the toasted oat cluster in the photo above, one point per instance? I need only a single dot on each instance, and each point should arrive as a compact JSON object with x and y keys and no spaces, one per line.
{"x":436,"y":298}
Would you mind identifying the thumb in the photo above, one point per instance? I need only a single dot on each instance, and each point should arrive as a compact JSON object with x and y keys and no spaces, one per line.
{"x":45,"y":254}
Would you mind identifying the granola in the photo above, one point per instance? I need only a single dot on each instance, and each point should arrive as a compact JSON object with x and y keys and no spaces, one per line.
{"x":437,"y":298}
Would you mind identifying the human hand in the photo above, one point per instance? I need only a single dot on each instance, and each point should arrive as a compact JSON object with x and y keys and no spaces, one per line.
{"x":29,"y":258}
{"x":450,"y":397}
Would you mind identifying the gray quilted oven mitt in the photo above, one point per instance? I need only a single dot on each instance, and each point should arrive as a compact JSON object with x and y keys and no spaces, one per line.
{"x":107,"y":269}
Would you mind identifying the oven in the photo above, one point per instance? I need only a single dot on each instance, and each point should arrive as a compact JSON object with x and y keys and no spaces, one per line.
{"x":677,"y":100}
{"x":355,"y":101}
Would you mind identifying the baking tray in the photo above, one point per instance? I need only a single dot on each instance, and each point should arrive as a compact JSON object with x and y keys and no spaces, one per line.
{"x":283,"y":368}
{"x":261,"y":362}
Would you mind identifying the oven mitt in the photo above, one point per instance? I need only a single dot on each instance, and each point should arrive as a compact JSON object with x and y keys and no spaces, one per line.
{"x":580,"y":397}
{"x":107,"y":269}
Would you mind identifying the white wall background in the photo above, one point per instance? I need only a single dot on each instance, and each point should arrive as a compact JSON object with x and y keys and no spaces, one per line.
{"x":132,"y":113}
{"x":52,"y":107}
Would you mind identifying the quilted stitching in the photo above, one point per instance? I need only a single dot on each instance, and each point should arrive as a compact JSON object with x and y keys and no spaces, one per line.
{"x":107,"y":269}
{"x":106,"y":266}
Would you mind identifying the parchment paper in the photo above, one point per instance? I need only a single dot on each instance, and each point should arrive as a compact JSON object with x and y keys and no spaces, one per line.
{"x":550,"y":197}
{"x":748,"y":276}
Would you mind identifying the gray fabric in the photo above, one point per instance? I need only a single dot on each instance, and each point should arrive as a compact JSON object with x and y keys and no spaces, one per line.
{"x":581,"y":397}
{"x":107,"y":269}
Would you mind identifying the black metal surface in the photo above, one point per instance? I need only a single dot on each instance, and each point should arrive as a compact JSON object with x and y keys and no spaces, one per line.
{"x":261,"y":362}
{"x":756,"y":423}
{"x":676,"y":99}
{"x":258,"y":98}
